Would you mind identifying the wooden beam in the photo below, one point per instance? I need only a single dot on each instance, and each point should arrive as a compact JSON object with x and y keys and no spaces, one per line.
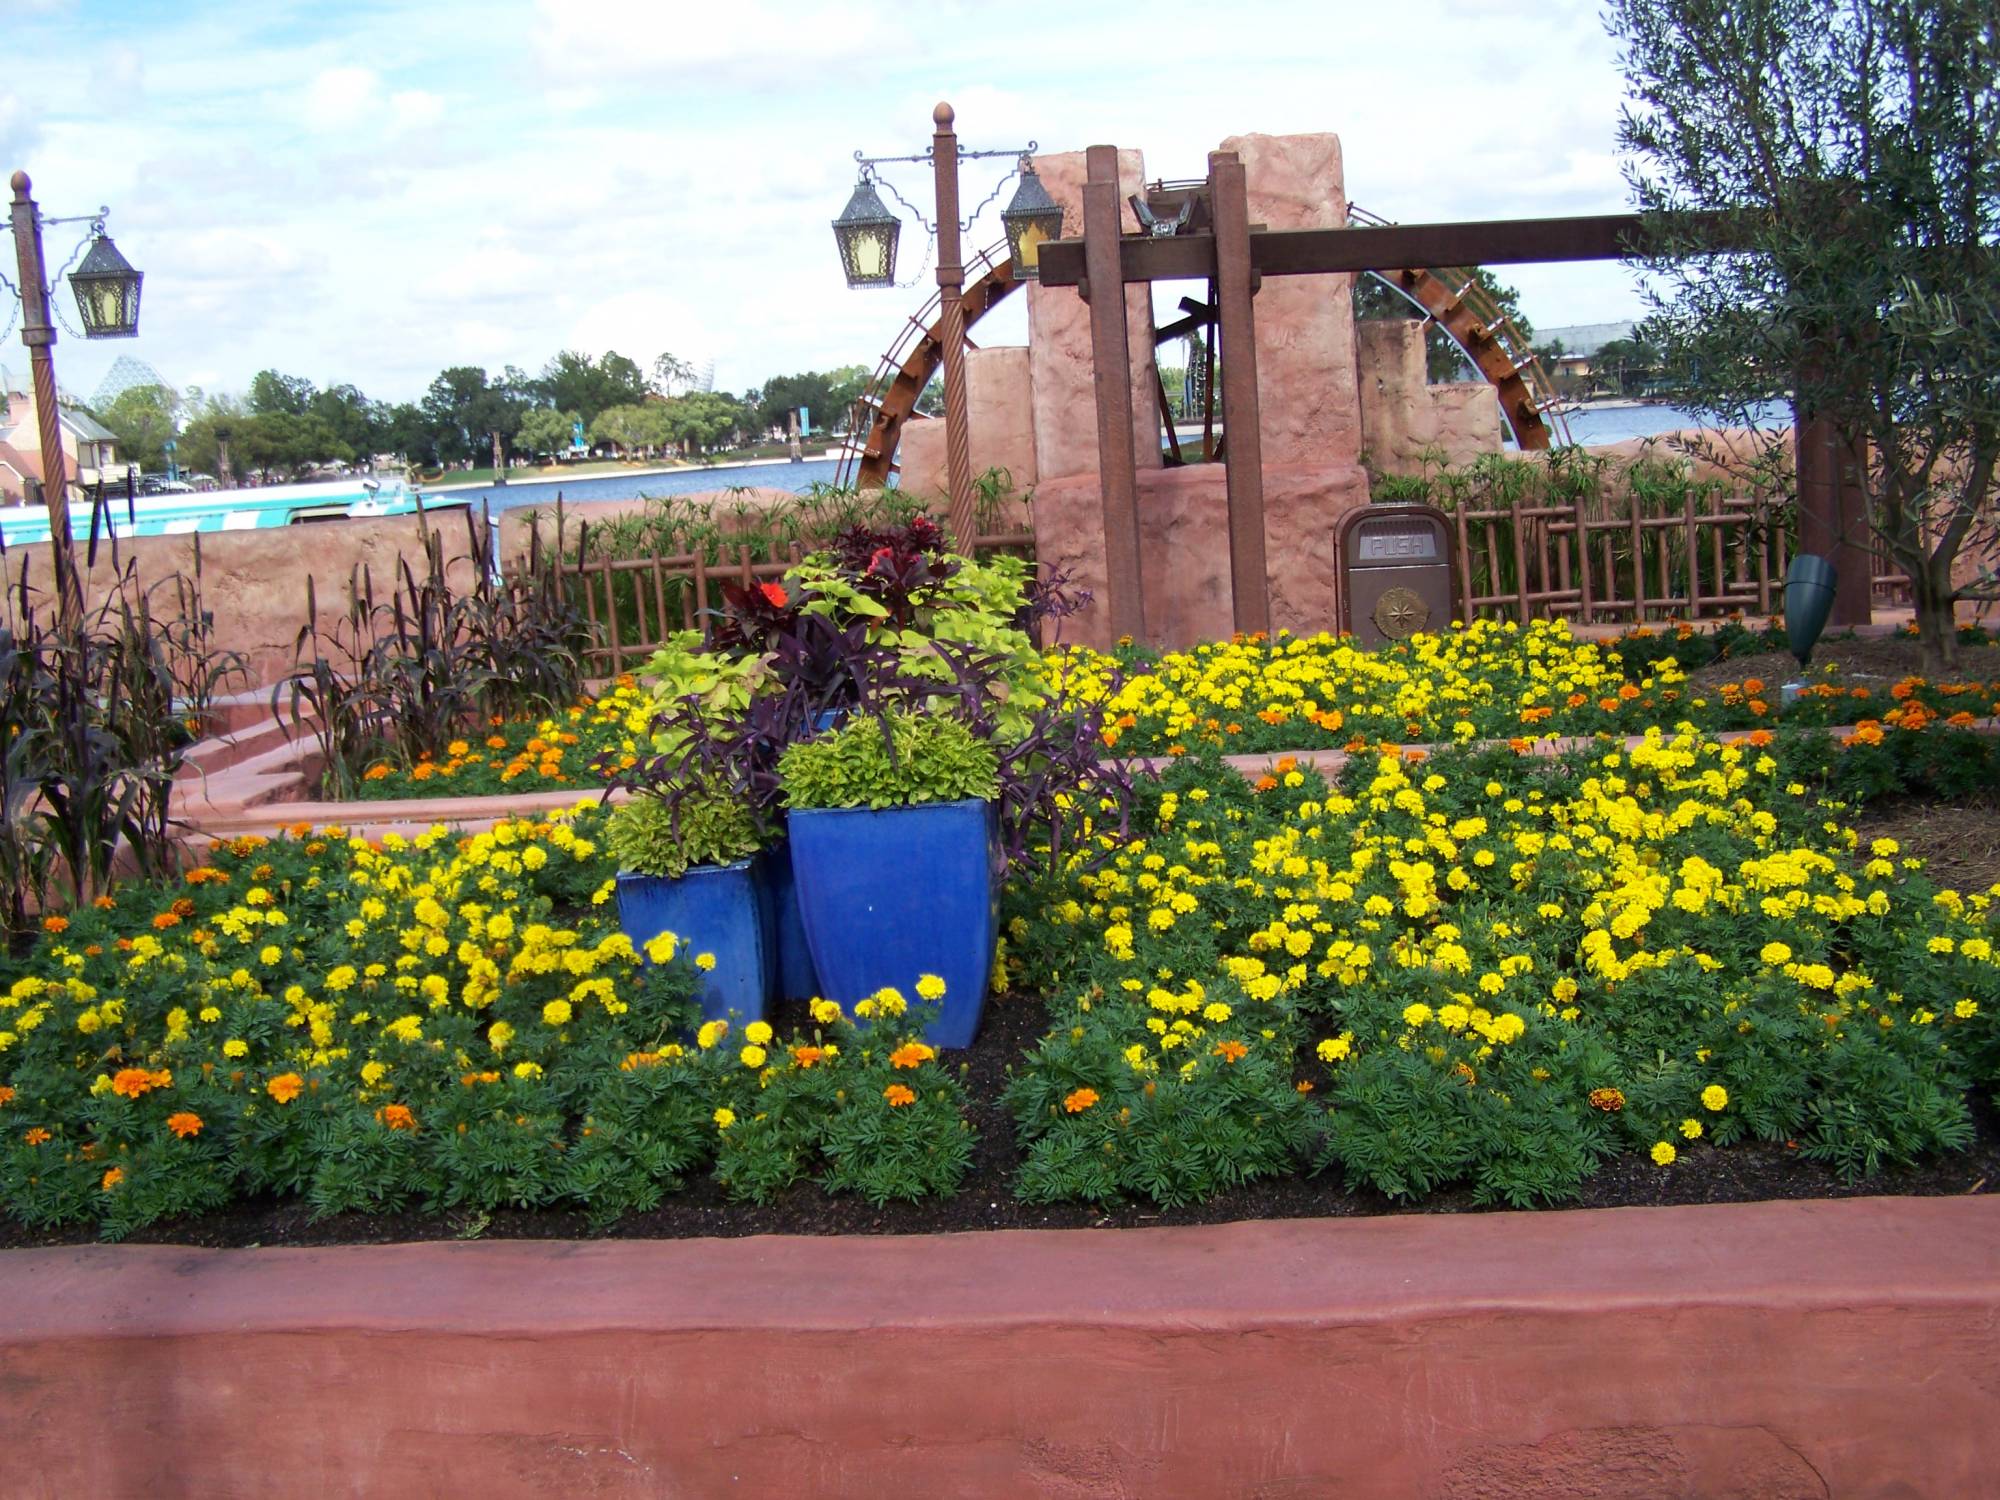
{"x":1249,"y":582}
{"x":1111,"y":360}
{"x":1316,"y":252}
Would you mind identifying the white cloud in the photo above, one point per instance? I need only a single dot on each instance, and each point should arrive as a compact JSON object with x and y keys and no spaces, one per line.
{"x":337,"y":98}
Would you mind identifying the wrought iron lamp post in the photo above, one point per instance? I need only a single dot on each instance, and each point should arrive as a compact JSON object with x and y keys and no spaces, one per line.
{"x":107,"y":299}
{"x":867,"y":232}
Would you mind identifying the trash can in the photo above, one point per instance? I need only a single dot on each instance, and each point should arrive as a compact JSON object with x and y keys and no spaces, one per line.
{"x":1398,"y":572}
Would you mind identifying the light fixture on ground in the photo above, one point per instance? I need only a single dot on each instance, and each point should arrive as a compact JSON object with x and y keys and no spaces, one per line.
{"x":1032,"y":219}
{"x":867,"y":233}
{"x":107,"y":300}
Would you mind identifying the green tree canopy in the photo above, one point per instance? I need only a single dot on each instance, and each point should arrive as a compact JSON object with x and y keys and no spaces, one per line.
{"x":273,"y":393}
{"x":1857,"y":142}
{"x":143,"y":419}
{"x":545,"y":430}
{"x":573,"y":381}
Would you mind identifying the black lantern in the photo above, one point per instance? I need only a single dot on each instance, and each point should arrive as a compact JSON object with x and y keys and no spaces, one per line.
{"x":107,"y":292}
{"x":1031,"y":219}
{"x":866,"y":232}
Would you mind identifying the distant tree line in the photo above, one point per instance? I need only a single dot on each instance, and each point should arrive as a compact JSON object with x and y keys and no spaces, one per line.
{"x":285,"y":425}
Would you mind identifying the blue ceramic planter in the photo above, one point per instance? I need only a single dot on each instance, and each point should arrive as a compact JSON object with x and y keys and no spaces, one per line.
{"x":888,"y":895}
{"x":719,"y":909}
{"x":795,"y":976}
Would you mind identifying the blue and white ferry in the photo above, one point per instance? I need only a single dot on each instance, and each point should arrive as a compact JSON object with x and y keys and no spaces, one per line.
{"x":363,"y":497}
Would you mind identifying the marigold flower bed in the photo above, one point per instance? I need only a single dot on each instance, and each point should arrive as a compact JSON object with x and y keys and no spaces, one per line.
{"x":1479,"y":971}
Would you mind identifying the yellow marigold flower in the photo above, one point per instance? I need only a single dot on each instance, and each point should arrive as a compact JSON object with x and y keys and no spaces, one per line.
{"x":1336,"y":1048}
{"x":724,"y":1117}
{"x":930,"y":987}
{"x":499,"y":1035}
{"x":527,"y":1070}
{"x":758,"y":1032}
{"x":1417,"y":1014}
{"x":1715,"y":1097}
{"x":1663,"y":1153}
{"x":1775,"y":954}
{"x":556,"y":1013}
{"x":235,"y":1047}
{"x":704,"y":962}
{"x":660,"y":947}
{"x":1691,"y":1128}
{"x":752,"y":1057}
{"x":825,"y":1012}
{"x":710,"y":1033}
{"x":373,"y":1073}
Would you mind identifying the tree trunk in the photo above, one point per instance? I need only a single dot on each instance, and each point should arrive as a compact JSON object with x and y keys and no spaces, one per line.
{"x":499,"y":459}
{"x":225,"y":476}
{"x":1937,"y":619}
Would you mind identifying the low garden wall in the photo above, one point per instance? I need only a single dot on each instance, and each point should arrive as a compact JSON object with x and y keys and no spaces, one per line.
{"x":1773,"y":1350}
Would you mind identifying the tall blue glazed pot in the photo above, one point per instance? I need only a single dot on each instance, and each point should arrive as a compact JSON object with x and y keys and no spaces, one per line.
{"x":891,"y":894}
{"x":794,"y":975}
{"x":720,"y":909}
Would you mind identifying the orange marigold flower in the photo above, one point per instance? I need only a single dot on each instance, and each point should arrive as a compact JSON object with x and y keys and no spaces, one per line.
{"x":898,"y":1096}
{"x":37,"y":1137}
{"x":911,"y":1055}
{"x":1608,"y":1100}
{"x":805,"y":1057}
{"x":285,"y":1087}
{"x":105,"y":903}
{"x":112,"y":1178}
{"x":376,"y":773}
{"x":1230,"y":1051}
{"x":1609,"y":705}
{"x":1867,"y":732}
{"x":1264,"y":783}
{"x":55,"y":924}
{"x":1079,"y":1100}
{"x":1759,"y":738}
{"x":396,"y":1117}
{"x":6,"y":1095}
{"x":130,"y":1083}
{"x":1753,"y":685}
{"x":164,"y":920}
{"x":184,"y":1123}
{"x":1628,"y":692}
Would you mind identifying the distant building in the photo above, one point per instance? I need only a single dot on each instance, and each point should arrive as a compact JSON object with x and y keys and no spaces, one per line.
{"x":128,"y":373}
{"x":1580,"y":343}
{"x":90,"y":450}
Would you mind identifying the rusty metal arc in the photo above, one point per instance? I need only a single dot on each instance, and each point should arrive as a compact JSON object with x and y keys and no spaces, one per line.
{"x":1450,"y":297}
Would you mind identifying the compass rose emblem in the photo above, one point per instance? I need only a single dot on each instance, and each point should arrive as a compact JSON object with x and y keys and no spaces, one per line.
{"x":1401,"y":613}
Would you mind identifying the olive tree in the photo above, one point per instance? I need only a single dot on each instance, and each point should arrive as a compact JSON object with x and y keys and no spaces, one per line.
{"x":1855,"y":145}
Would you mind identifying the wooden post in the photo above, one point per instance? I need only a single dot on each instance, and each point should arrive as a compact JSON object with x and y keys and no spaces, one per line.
{"x":1111,"y":360}
{"x":1243,"y":461}
{"x":951,"y":319}
{"x":39,"y":334}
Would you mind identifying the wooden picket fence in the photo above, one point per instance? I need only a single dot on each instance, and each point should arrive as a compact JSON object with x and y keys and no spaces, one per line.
{"x":1609,"y":559}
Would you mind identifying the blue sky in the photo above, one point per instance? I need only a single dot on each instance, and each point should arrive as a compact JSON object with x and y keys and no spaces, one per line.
{"x":369,"y":191}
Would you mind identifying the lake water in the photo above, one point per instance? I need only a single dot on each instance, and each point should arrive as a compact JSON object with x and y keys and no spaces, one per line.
{"x":776,"y":476}
{"x":1598,"y":424}
{"x":1615,"y":424}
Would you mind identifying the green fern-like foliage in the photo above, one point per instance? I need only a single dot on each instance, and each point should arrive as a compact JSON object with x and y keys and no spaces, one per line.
{"x":922,"y":758}
{"x":714,"y":828}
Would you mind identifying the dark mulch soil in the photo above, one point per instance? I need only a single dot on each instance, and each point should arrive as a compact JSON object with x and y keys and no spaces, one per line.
{"x":1744,"y":1173}
{"x":1858,"y":658}
{"x":1959,"y":842}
